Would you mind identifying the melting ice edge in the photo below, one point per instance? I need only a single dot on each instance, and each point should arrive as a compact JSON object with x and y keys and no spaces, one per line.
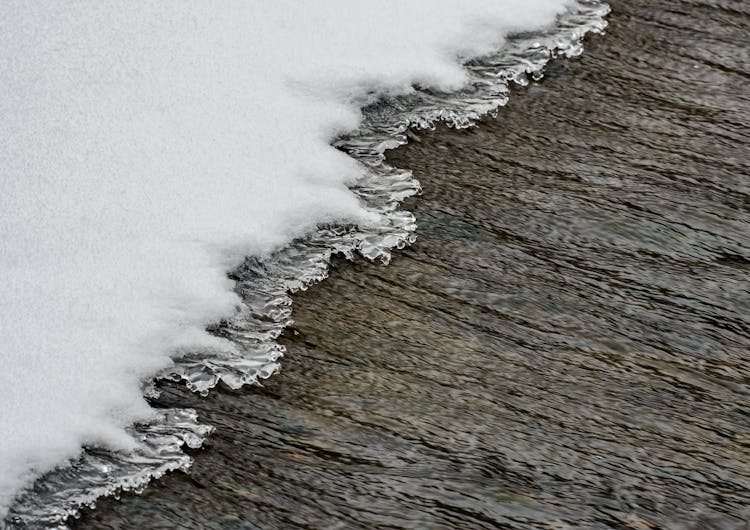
{"x":266,"y":284}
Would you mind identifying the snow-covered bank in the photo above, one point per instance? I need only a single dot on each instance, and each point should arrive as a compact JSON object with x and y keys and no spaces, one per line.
{"x":146,"y":148}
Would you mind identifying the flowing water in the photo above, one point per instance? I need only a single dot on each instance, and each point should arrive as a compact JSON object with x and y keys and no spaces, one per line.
{"x":565,"y":345}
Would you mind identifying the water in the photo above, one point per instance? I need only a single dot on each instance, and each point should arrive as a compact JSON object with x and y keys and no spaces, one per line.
{"x":564,"y":346}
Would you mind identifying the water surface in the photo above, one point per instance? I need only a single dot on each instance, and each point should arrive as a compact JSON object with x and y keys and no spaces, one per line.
{"x":567,"y":343}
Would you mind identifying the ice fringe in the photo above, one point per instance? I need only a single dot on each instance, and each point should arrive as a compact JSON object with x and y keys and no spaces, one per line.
{"x":266,"y":284}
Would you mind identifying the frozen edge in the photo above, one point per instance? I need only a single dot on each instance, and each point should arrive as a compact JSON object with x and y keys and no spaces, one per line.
{"x":266,"y":284}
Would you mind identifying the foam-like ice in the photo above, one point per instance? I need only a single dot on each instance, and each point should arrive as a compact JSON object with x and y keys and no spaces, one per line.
{"x":145,"y":147}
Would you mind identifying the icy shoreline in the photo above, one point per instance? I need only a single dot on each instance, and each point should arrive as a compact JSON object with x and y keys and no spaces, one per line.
{"x":264,"y":284}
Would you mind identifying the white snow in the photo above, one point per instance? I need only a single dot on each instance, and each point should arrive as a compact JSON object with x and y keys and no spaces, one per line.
{"x":145,"y":146}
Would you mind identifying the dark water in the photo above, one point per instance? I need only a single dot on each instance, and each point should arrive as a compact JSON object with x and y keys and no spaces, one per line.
{"x":567,"y":345}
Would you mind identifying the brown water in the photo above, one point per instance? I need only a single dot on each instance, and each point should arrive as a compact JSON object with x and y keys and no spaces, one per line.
{"x":567,"y":345}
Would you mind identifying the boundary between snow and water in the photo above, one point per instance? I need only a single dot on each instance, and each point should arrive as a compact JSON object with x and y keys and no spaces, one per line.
{"x":266,"y":284}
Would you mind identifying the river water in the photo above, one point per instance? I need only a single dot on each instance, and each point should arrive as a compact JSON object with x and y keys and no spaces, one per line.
{"x":566,"y":345}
